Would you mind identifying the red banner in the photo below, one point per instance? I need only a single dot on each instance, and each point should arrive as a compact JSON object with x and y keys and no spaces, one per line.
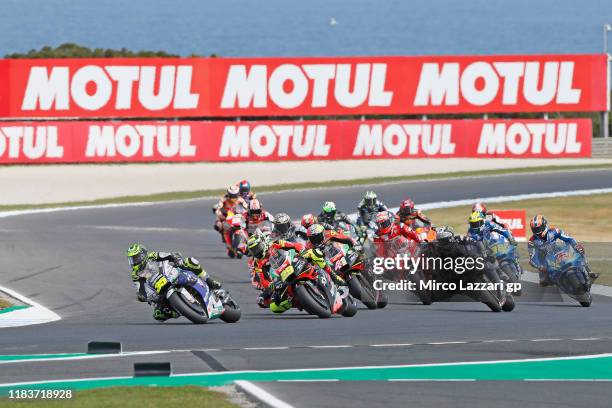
{"x":516,"y":220}
{"x":223,"y":87}
{"x":135,"y":141}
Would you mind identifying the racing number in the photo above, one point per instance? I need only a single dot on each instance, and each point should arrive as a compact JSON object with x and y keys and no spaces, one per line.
{"x":160,"y":283}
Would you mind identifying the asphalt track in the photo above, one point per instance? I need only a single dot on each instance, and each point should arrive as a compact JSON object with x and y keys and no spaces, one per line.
{"x":73,"y":263}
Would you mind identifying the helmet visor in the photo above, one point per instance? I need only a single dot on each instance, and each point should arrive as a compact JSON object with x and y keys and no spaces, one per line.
{"x":476,"y":224}
{"x":316,"y":239}
{"x":137,"y":260}
{"x":384,"y":224}
{"x":255,"y":212}
{"x":369,"y":202}
{"x":282,"y":228}
{"x":538,"y":229}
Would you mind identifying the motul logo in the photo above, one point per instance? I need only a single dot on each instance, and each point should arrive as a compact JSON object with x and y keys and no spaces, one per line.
{"x":520,"y":138}
{"x":479,"y":83}
{"x":397,"y":139}
{"x":513,"y":223}
{"x":139,"y":140}
{"x":31,"y":142}
{"x":288,"y":86}
{"x":279,"y":140}
{"x":92,"y":87}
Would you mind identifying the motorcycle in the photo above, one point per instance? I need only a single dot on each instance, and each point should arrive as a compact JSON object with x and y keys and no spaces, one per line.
{"x":309,"y":287}
{"x":191,"y":297}
{"x":566,"y":268}
{"x":351,"y":267}
{"x":507,"y":257}
{"x":236,"y":226}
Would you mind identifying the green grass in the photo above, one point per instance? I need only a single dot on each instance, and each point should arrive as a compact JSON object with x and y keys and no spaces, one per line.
{"x":4,"y":304}
{"x":586,"y":218}
{"x":141,"y":397}
{"x":185,"y":195}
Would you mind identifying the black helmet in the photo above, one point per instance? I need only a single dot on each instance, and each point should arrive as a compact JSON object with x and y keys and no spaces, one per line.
{"x":282,"y":223}
{"x":316,"y":234}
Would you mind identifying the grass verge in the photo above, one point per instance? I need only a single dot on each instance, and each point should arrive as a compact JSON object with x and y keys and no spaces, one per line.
{"x":586,"y":218}
{"x":141,"y":397}
{"x":185,"y":195}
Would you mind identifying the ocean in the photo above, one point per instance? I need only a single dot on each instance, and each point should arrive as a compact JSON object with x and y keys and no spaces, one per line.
{"x":310,"y":27}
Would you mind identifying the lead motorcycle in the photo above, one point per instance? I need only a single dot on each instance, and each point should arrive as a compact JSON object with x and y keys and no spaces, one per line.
{"x":310,"y":288}
{"x":566,"y":268}
{"x":191,"y":297}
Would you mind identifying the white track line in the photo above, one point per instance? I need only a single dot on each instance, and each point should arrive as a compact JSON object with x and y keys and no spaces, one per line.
{"x":35,"y":314}
{"x":261,"y":394}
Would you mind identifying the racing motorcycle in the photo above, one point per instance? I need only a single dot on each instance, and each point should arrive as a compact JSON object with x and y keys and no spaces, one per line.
{"x":566,"y":268}
{"x":310,"y":288}
{"x":191,"y":297}
{"x":507,"y":257}
{"x":348,"y":264}
{"x":236,"y":226}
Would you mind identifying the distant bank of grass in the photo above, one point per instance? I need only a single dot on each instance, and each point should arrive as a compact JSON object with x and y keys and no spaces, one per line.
{"x":125,"y":397}
{"x":586,"y":218}
{"x":186,"y":195}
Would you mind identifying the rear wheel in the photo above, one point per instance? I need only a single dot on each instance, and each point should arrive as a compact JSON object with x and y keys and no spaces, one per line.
{"x":185,"y":308}
{"x":383,"y":300}
{"x":367,"y":292}
{"x":312,"y":300}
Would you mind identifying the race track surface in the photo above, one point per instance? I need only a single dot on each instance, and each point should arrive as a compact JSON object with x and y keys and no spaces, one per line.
{"x":73,"y":263}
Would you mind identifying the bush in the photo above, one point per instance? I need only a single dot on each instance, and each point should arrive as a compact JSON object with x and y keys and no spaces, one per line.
{"x":70,"y":50}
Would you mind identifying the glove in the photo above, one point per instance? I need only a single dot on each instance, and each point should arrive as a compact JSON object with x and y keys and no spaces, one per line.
{"x":213,"y":284}
{"x":512,"y":241}
{"x":579,"y":248}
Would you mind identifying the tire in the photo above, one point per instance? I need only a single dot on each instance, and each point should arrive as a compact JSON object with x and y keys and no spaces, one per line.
{"x":491,"y":301}
{"x":350,"y":307}
{"x":181,"y":306}
{"x":586,"y":302}
{"x":367,"y":293}
{"x":232,"y":312}
{"x":303,"y":293}
{"x":509,"y":304}
{"x":512,"y":273}
{"x":383,"y":301}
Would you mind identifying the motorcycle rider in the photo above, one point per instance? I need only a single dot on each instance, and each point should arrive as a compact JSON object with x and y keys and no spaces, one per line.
{"x":480,"y":227}
{"x":244,"y":189}
{"x":284,"y":228}
{"x":255,"y":215}
{"x":230,"y":202}
{"x":489,"y":216}
{"x":368,"y":207}
{"x":329,"y":215}
{"x":543,"y":234}
{"x":412,"y":217}
{"x":145,"y":265}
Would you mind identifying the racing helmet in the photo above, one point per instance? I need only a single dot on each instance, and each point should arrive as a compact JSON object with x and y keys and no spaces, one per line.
{"x":539,"y":225}
{"x":232,"y":192}
{"x":137,"y":257}
{"x":444,"y":234}
{"x":254,"y":208}
{"x":282,"y":223}
{"x":316,"y":234}
{"x":329,"y":211}
{"x":476,"y":221}
{"x":257,"y":246}
{"x":369,"y":199}
{"x":384,"y":222}
{"x":406,"y":208}
{"x":480,"y":207}
{"x":244,"y":188}
{"x":308,"y":220}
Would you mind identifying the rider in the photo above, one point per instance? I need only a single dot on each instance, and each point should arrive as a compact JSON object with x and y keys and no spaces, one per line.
{"x":544,"y":234}
{"x":368,"y":207}
{"x":244,"y":188}
{"x":480,"y":226}
{"x":329,"y":215}
{"x":489,"y":216}
{"x":412,"y":217}
{"x":284,"y":228}
{"x":255,"y":215}
{"x":387,"y":228}
{"x":259,"y":246}
{"x":230,"y":202}
{"x":145,"y":265}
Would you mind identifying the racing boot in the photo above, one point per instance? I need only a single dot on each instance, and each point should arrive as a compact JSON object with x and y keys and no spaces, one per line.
{"x":161,"y":314}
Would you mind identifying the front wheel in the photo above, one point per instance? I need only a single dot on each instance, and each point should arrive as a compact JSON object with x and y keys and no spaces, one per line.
{"x":491,"y":301}
{"x":367,"y":294}
{"x":509,"y":304}
{"x":313,"y":301}
{"x":231,"y":313}
{"x":182,"y":306}
{"x":350,"y":307}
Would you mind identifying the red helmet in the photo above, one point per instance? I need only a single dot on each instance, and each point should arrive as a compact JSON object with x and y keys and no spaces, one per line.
{"x":384,"y":222}
{"x":406,"y":208}
{"x":254,"y":207}
{"x":479,"y":207}
{"x":308,"y":220}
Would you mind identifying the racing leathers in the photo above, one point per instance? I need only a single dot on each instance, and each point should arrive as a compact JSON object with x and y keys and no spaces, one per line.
{"x":145,"y":287}
{"x":381,"y":239}
{"x":254,"y":221}
{"x":537,"y":255}
{"x":414,"y":220}
{"x":335,"y":223}
{"x":368,"y":213}
{"x":488,"y":227}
